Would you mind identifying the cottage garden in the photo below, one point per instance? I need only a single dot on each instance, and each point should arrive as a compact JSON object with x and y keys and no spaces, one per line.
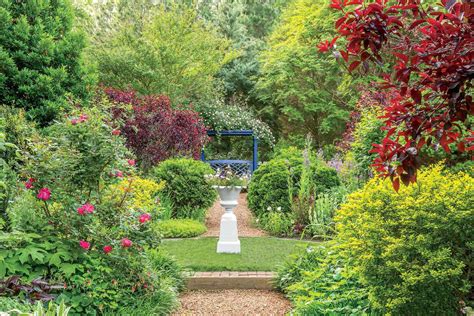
{"x":121,"y":183}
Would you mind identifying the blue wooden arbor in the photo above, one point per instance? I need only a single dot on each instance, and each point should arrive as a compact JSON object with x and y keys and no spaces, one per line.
{"x":238,"y":166}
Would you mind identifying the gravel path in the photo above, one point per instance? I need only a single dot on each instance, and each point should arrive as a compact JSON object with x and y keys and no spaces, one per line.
{"x":233,"y":303}
{"x":244,"y":219}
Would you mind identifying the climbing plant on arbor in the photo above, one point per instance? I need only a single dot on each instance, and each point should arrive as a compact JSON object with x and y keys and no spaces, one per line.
{"x":425,"y":54}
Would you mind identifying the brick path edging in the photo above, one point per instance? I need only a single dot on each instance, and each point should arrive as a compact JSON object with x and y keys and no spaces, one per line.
{"x":220,"y":280}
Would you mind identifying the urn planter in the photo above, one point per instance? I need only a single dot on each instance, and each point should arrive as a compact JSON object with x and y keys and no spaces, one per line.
{"x":228,"y":236}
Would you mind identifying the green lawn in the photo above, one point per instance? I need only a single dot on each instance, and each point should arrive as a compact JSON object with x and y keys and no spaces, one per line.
{"x":257,"y":254}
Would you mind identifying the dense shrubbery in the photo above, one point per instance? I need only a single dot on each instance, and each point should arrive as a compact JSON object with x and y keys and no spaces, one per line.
{"x":322,"y":282}
{"x":82,"y":218}
{"x":154,"y":130}
{"x":180,"y":228}
{"x":41,"y":58}
{"x":186,"y":190}
{"x":282,"y":190}
{"x":397,"y":253}
{"x":413,"y":249}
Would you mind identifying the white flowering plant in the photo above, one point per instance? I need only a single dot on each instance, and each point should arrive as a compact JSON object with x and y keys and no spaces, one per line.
{"x":226,"y":177}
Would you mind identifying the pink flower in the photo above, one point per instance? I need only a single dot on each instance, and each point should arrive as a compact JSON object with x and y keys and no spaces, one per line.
{"x":84,"y":244}
{"x":86,"y":208}
{"x":126,"y":243}
{"x":144,"y":218}
{"x":74,"y":121}
{"x":116,"y":132}
{"x":131,"y":162}
{"x":80,"y":210}
{"x":44,"y":194}
{"x":83,"y":118}
{"x":119,"y":174}
{"x":107,"y":249}
{"x":29,"y":183}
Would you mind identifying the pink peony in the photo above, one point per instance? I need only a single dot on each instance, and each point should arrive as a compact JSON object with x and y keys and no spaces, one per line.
{"x":144,"y":218}
{"x":119,"y":174}
{"x":126,"y":243}
{"x":84,"y":244}
{"x":80,"y":210}
{"x":107,"y":249}
{"x":44,"y":194}
{"x":29,"y":183}
{"x":74,"y":121}
{"x":86,"y":208}
{"x":116,"y":132}
{"x":131,"y":162}
{"x":83,"y":118}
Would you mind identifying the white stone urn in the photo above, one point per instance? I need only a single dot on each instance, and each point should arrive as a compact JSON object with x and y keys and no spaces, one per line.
{"x":228,"y":236}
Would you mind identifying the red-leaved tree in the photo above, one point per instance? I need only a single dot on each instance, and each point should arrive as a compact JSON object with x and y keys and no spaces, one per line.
{"x":428,"y":52}
{"x":154,"y":130}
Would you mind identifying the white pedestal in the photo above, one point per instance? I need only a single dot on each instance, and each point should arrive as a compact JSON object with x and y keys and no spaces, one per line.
{"x":228,"y":236}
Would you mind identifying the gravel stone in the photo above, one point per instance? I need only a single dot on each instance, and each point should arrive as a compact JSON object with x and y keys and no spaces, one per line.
{"x":233,"y":303}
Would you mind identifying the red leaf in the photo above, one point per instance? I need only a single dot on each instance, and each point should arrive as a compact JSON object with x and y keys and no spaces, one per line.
{"x":344,"y":55}
{"x":396,"y":184}
{"x":354,"y":65}
{"x":416,"y":95}
{"x":416,"y":23}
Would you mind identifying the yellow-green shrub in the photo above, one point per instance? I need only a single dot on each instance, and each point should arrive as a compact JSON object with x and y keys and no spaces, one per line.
{"x":180,"y":228}
{"x":413,"y":249}
{"x":143,"y":193}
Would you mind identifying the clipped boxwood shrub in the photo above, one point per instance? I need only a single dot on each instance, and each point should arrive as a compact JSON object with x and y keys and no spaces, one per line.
{"x":180,"y":228}
{"x":413,"y":249}
{"x":186,"y":189}
{"x":271,"y":182}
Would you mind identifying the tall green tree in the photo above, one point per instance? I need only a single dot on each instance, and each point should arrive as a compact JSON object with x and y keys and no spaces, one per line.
{"x":41,"y":59}
{"x":159,"y":50}
{"x":305,"y":91}
{"x":246,"y":23}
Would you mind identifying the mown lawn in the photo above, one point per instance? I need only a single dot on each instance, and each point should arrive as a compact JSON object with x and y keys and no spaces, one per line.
{"x":257,"y":253}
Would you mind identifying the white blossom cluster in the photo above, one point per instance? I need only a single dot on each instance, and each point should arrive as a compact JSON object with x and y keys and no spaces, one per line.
{"x":232,"y":117}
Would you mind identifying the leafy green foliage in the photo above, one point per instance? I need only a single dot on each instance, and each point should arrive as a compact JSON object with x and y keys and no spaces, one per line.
{"x":306,"y":92}
{"x":159,"y":51}
{"x":8,"y":304}
{"x":41,"y":57}
{"x":186,"y":188}
{"x":32,"y":256}
{"x":366,"y":133}
{"x":322,"y":282}
{"x":180,"y":228}
{"x":413,"y":249}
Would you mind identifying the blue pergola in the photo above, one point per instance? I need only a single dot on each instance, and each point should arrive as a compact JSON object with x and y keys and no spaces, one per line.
{"x":239,"y":166}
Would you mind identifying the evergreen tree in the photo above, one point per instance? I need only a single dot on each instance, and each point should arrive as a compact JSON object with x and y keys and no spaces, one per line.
{"x":41,"y":57}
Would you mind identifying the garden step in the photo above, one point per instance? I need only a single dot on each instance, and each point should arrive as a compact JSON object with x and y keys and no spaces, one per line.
{"x":230,"y":280}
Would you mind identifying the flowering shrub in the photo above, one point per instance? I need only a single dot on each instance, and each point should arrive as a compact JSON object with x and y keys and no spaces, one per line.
{"x":81,"y":187}
{"x":154,"y":130}
{"x":219,"y":116}
{"x":413,"y":249}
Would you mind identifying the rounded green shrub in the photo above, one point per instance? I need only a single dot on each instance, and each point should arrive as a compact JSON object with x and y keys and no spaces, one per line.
{"x":272,"y":182}
{"x":413,"y":249}
{"x":269,"y":187}
{"x":186,"y":189}
{"x":180,"y":228}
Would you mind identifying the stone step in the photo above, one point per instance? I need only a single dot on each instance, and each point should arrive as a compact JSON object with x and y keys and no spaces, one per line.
{"x":223,"y":280}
